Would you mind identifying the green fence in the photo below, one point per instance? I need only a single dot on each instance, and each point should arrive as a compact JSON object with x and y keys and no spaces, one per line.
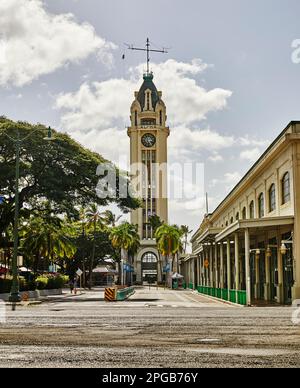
{"x":191,"y":286}
{"x":242,"y":298}
{"x":232,"y":296}
{"x":239,"y":297}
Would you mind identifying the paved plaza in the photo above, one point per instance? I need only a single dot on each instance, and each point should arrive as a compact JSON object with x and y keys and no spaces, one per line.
{"x":155,"y":328}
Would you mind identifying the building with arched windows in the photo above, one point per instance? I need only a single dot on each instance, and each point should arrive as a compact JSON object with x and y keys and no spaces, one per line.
{"x":256,"y":258}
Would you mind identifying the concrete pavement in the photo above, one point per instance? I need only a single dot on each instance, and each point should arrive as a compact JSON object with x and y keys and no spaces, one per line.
{"x":160,"y":328}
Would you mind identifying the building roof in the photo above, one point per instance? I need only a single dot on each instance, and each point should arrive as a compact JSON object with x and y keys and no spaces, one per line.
{"x":148,"y":84}
{"x":290,"y":126}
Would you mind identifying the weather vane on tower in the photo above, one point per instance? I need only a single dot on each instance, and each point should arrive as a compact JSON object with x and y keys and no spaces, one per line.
{"x":148,"y":50}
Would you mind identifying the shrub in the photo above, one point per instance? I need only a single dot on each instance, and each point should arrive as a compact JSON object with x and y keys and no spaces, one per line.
{"x":41,"y":282}
{"x":5,"y":286}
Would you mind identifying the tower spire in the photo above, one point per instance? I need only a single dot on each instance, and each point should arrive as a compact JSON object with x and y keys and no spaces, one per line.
{"x":148,"y":50}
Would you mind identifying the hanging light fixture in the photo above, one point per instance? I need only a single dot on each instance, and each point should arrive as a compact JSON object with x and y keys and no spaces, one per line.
{"x":283,"y":249}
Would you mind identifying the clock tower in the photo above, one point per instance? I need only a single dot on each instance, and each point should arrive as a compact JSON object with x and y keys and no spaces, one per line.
{"x":148,"y":157}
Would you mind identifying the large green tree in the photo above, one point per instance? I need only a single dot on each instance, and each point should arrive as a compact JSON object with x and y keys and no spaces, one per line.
{"x":62,"y":172}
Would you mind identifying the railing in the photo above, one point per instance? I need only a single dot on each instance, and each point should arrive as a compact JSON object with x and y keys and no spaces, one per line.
{"x":238,"y":297}
{"x":124,"y":293}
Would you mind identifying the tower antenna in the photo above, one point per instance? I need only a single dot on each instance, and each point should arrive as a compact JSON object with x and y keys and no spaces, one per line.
{"x":148,"y":50}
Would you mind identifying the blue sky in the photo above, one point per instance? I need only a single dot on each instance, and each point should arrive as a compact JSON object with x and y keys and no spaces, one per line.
{"x":67,"y":71}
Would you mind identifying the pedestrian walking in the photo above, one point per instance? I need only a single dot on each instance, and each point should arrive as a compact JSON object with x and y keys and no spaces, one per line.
{"x":75,"y":285}
{"x":71,"y":285}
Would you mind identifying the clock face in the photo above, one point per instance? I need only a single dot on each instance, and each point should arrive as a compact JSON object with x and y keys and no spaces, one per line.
{"x":148,"y":140}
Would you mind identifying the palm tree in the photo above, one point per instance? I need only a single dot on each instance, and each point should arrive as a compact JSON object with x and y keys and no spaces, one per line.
{"x":168,"y":240}
{"x":186,"y":232}
{"x":48,"y":237}
{"x":96,"y":222}
{"x":125,"y":238}
{"x":110,"y":218}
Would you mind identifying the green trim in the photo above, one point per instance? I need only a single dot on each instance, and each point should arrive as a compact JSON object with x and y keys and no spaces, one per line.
{"x":237,"y":297}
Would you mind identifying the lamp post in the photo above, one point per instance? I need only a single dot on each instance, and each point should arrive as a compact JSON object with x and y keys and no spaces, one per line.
{"x":14,"y":293}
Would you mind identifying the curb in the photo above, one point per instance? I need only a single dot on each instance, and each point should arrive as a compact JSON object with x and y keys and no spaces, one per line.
{"x":24,"y":304}
{"x":218,"y":300}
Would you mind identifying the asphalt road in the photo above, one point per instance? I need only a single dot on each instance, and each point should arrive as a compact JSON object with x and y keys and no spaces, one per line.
{"x":154,"y":328}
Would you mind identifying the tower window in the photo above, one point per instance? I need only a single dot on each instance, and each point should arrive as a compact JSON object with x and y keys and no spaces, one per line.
{"x":160,"y":118}
{"x":136,"y":118}
{"x":148,"y":101}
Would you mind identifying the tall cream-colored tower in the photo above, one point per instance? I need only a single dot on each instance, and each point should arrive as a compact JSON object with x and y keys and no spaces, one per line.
{"x":148,"y":153}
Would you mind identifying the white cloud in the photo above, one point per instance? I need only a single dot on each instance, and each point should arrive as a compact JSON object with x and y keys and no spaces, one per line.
{"x":251,"y":154}
{"x":38,"y":42}
{"x":227,"y":182}
{"x":198,"y":140}
{"x":187,"y":102}
{"x":100,"y":103}
{"x":96,"y":106}
{"x":246,"y":141}
{"x":216,"y":158}
{"x":112,"y":143}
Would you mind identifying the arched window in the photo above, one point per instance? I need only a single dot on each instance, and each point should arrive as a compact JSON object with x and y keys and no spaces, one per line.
{"x":286,"y":188}
{"x":237,"y":217}
{"x":251,"y":210}
{"x":148,"y":101}
{"x":160,"y":118}
{"x":231,"y":220}
{"x":272,"y":198}
{"x":261,"y":206}
{"x":244,"y":213}
{"x":149,"y":258}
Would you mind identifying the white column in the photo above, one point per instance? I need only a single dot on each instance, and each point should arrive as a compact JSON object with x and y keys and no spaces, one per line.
{"x":247,"y":265}
{"x":268,"y":278}
{"x":228,"y":268}
{"x":257,"y":278}
{"x":216,"y":267}
{"x":295,"y":191}
{"x":237,"y":264}
{"x":222,"y":265}
{"x":199,"y":270}
{"x":280,"y":296}
{"x":211,"y":265}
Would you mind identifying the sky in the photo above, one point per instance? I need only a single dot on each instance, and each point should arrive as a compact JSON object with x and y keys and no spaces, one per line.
{"x":230,"y":80}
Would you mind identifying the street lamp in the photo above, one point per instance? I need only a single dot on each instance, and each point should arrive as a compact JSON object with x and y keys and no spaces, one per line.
{"x":14,"y":294}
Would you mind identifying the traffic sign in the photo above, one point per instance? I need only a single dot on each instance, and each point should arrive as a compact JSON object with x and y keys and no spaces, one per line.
{"x":79,"y":272}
